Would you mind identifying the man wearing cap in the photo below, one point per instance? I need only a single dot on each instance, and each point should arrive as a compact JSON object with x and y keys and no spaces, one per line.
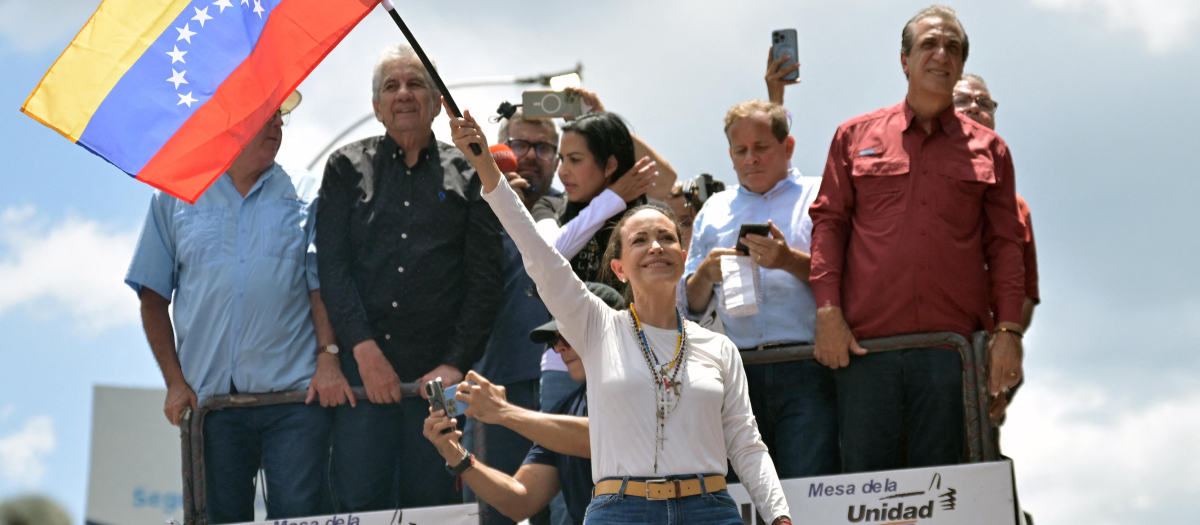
{"x":559,"y":459}
{"x":248,"y":318}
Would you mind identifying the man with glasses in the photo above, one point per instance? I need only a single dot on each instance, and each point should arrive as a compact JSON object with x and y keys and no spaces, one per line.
{"x":972,"y":98}
{"x":242,"y":272}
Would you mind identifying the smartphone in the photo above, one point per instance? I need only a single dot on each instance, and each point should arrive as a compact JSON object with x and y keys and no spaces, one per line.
{"x":747,"y":228}
{"x":783,"y":43}
{"x":443,"y":399}
{"x":547,"y":103}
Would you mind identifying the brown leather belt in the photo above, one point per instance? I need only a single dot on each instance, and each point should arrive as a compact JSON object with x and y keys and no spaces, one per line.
{"x":660,"y":488}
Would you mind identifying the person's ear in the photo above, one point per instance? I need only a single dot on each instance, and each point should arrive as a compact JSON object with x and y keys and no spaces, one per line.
{"x":611,"y":166}
{"x":904,"y":63}
{"x":789,"y":145}
{"x":617,"y":269}
{"x":437,"y":110}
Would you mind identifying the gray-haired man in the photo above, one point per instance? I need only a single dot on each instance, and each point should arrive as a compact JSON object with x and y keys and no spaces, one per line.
{"x":407,"y":254}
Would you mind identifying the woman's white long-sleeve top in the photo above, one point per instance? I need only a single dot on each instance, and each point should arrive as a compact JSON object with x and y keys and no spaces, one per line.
{"x":712,"y":421}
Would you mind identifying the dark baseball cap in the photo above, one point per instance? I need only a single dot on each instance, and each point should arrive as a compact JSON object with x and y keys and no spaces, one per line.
{"x":545,"y":334}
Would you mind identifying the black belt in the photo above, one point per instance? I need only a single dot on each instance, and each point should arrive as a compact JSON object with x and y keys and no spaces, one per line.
{"x":771,"y":346}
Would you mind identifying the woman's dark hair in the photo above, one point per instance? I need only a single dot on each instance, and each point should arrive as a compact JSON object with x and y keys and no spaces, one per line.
{"x":616,"y":248}
{"x":606,"y":136}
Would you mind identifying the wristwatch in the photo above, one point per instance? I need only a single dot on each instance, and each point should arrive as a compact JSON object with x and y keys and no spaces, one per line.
{"x":467,"y":461}
{"x":329,"y":349}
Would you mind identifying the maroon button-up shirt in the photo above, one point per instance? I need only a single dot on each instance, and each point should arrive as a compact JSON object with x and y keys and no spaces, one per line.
{"x":908,"y":225}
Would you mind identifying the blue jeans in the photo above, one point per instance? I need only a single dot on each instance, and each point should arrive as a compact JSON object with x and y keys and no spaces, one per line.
{"x":381,"y":459}
{"x":707,"y":508}
{"x":504,"y":449}
{"x":556,"y":386}
{"x":795,"y":404}
{"x":291,"y":444}
{"x":901,"y":409}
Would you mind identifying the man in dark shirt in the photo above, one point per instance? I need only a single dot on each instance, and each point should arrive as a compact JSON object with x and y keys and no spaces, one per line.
{"x":560,"y":459}
{"x":407,"y":251}
{"x":916,"y":215}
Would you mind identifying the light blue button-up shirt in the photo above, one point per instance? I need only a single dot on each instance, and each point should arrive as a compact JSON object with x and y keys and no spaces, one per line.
{"x":787,"y":312}
{"x":240,"y":270}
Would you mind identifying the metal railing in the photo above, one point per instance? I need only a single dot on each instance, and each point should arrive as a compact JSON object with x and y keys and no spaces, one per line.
{"x":980,"y":445}
{"x":975,"y":360}
{"x":191,"y":432}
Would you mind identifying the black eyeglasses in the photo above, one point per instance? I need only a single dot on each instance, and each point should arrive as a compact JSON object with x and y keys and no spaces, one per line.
{"x":963,"y":101}
{"x":283,"y":116}
{"x":543,"y":150}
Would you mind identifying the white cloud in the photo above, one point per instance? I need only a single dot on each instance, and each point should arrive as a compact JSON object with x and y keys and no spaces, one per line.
{"x":75,"y":265}
{"x":23,"y":453}
{"x":1083,"y":456}
{"x":31,"y":25}
{"x":1165,"y":25}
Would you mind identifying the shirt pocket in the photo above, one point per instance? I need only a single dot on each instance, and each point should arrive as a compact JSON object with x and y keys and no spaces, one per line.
{"x":282,"y":227}
{"x":963,"y":183}
{"x":198,"y":235}
{"x":880,"y":186}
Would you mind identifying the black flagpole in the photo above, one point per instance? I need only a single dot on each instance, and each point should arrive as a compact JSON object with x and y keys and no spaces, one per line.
{"x":437,"y":79}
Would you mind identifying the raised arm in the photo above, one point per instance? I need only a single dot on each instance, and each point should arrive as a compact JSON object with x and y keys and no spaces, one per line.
{"x":581,"y":315}
{"x":661,"y":189}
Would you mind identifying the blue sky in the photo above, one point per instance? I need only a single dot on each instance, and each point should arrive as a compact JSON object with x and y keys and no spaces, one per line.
{"x":1097,"y":100}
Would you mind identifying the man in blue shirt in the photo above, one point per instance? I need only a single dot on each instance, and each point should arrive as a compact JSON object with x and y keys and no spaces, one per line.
{"x":794,"y":402}
{"x":248,"y":315}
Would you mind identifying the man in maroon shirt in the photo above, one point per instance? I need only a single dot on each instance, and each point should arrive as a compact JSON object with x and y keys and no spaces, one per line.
{"x":917,"y":214}
{"x":973,"y":99}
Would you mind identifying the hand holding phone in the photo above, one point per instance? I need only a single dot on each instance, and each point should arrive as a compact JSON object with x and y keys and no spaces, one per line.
{"x":748,"y":228}
{"x":784,"y":44}
{"x":443,"y":399}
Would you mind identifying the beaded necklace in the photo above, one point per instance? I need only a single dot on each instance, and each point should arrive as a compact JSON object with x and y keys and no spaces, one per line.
{"x":667,"y":389}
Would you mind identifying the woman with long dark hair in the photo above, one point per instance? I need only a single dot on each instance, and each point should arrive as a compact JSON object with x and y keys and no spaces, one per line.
{"x":597,"y":151}
{"x":667,"y":399}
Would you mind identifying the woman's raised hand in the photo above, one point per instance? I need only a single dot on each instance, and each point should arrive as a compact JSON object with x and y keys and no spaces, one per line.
{"x":637,"y":181}
{"x":466,"y":131}
{"x":590,"y":98}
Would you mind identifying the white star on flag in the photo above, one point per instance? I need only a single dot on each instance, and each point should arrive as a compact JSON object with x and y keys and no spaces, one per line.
{"x":246,"y":2}
{"x":258,"y":8}
{"x":186,"y":99}
{"x":177,"y":55}
{"x":201,"y":16}
{"x":222,"y":4}
{"x":185,"y":33}
{"x":177,"y":78}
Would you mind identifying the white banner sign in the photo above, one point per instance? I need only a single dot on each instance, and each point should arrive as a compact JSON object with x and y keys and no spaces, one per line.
{"x":448,"y":515}
{"x":134,"y":475}
{"x":976,"y":494}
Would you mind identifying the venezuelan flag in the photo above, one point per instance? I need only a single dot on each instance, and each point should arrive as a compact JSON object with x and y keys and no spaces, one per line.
{"x":170,"y":90}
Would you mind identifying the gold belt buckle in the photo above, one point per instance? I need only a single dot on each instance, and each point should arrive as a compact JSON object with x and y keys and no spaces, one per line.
{"x":651,"y":481}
